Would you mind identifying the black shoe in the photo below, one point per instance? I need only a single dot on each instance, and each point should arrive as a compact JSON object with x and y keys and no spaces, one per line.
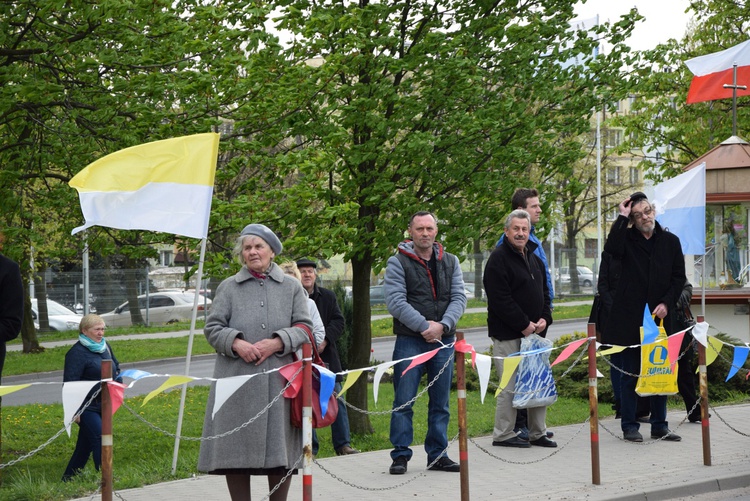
{"x":550,"y":434}
{"x":666,"y":436}
{"x":446,"y":464}
{"x":512,"y":442}
{"x":543,"y":442}
{"x":632,"y":436}
{"x":398,"y":467}
{"x":346,"y":450}
{"x":522,"y":433}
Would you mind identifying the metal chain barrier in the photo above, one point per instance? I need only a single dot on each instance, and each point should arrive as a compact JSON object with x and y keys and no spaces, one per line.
{"x":221,"y":435}
{"x":391,"y":487}
{"x":288,"y":474}
{"x":54,"y":437}
{"x":556,"y":451}
{"x":405,"y":404}
{"x":713,"y":409}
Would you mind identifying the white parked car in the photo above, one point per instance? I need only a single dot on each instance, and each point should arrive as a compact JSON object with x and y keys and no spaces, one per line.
{"x":164,"y":307}
{"x":60,"y":318}
{"x":585,"y":276}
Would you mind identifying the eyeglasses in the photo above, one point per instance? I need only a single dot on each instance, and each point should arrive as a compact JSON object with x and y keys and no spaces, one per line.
{"x":645,"y":213}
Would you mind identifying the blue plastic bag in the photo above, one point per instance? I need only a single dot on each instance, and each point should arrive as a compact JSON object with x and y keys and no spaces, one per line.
{"x":535,"y":386}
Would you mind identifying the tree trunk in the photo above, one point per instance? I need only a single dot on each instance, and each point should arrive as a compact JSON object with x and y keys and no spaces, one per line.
{"x":40,"y":292}
{"x":131,"y":290}
{"x":360,"y":347}
{"x":28,"y":331}
{"x":478,"y":265}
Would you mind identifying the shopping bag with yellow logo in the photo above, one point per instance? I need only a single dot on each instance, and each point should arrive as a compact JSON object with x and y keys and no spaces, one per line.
{"x":657,"y":377}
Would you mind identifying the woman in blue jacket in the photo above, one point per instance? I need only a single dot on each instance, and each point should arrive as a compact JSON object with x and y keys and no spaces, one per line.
{"x":83,"y":362}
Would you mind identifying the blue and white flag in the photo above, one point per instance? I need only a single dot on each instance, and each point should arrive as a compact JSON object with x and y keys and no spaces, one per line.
{"x":681,"y":207}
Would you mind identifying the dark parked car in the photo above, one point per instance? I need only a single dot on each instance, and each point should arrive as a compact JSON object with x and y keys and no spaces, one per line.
{"x":377,"y":294}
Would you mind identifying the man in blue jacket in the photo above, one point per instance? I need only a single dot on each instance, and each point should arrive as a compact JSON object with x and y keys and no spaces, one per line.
{"x":425,"y":294}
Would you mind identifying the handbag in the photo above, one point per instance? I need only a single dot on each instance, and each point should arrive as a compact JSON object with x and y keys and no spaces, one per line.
{"x":318,"y":419}
{"x":658,"y":376}
{"x":535,"y":385}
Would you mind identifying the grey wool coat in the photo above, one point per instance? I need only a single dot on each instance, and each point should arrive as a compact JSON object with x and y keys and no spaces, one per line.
{"x":254,"y":309}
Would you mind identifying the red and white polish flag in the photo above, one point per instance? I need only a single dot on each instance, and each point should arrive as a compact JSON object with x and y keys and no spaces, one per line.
{"x":713,"y":71}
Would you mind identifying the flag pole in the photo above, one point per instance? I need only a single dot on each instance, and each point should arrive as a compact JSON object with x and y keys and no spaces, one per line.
{"x":181,"y":413}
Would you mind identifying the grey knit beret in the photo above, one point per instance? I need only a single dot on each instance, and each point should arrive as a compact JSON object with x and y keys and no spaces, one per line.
{"x":264,"y":232}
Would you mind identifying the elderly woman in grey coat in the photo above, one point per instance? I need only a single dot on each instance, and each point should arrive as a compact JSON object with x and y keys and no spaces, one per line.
{"x":259,"y":317}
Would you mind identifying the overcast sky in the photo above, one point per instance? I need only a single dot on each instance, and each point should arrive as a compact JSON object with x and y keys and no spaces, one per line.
{"x":665,"y":19}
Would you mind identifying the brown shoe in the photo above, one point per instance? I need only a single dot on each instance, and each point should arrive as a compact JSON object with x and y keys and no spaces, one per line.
{"x":346,"y":450}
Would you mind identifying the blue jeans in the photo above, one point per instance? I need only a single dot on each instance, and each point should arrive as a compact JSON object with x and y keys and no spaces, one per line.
{"x":89,"y":442}
{"x":406,"y":387}
{"x":615,"y":375}
{"x":631,"y":363}
{"x":340,"y":435}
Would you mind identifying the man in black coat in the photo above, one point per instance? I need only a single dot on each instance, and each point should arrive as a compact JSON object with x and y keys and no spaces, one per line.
{"x":11,"y":299}
{"x":518,"y":305}
{"x":333,"y":321}
{"x":653,"y":275}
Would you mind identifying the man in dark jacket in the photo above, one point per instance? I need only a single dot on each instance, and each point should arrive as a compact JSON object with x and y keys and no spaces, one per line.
{"x":11,"y":298}
{"x":425,"y":294}
{"x":333,"y":321}
{"x":653,"y":275}
{"x":518,"y":305}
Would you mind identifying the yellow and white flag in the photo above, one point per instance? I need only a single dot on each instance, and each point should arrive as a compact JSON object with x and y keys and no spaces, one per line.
{"x":160,"y":186}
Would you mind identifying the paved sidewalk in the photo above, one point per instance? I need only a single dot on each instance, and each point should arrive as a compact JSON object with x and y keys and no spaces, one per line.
{"x":647,"y":471}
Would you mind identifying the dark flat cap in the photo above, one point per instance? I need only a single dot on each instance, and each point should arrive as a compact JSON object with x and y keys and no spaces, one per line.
{"x":264,"y":232}
{"x":637,"y":197}
{"x":301,"y":263}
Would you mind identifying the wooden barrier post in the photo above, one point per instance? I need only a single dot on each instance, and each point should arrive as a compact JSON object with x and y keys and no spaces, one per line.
{"x":593,"y":407}
{"x":307,"y":422}
{"x":107,"y":487}
{"x":463,"y":453}
{"x":703,"y":379}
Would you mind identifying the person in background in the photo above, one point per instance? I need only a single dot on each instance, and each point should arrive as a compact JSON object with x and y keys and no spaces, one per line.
{"x":528,"y":200}
{"x":610,"y":271}
{"x":11,"y":297}
{"x":319,"y":331}
{"x":653,"y":276}
{"x":518,"y":305}
{"x":424,"y":292}
{"x":259,"y":318}
{"x":686,"y":366}
{"x":333,"y":321}
{"x":83,"y":362}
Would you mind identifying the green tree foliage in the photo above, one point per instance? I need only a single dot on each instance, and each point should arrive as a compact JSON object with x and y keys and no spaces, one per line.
{"x":662,"y":121}
{"x":81,"y":80}
{"x":412,"y":105}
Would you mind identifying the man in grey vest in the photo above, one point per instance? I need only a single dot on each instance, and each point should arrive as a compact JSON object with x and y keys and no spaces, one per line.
{"x":424,"y":292}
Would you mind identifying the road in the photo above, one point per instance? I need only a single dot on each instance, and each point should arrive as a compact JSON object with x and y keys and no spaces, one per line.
{"x":203,"y":366}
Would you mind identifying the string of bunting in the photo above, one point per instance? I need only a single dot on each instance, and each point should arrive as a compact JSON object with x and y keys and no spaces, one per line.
{"x":74,"y":392}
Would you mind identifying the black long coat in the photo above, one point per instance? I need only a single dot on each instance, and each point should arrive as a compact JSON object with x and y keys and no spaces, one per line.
{"x":653,"y":272}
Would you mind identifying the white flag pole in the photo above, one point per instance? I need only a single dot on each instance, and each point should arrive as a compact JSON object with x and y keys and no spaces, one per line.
{"x":198,"y":281}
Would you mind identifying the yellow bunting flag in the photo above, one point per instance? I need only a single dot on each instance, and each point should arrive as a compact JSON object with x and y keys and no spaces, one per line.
{"x":351,"y":378}
{"x":714,"y":347}
{"x":510,"y":365}
{"x":7,"y":390}
{"x":169,"y":383}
